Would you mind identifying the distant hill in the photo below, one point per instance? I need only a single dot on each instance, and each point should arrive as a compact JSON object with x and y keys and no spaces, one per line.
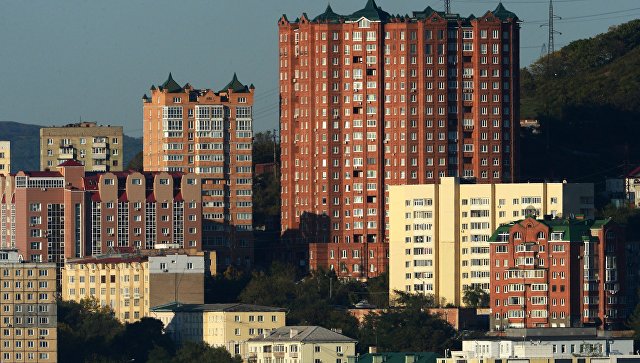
{"x":587,"y":97}
{"x":25,"y":145}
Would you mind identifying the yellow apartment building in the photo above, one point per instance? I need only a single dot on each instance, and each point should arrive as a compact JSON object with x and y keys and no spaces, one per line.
{"x":29,"y":314}
{"x":301,"y":344}
{"x":97,"y":147}
{"x":5,"y":157}
{"x":131,"y":284}
{"x":439,"y":233}
{"x":220,"y":325}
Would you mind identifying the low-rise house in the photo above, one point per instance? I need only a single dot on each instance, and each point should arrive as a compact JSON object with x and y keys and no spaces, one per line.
{"x":301,"y":344}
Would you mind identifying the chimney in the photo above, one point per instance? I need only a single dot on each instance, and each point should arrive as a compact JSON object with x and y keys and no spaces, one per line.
{"x":293,"y":333}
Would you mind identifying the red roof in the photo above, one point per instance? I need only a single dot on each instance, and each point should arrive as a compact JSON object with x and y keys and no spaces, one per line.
{"x":43,"y":174}
{"x":123,"y":197}
{"x":151,"y":198}
{"x":114,"y":259}
{"x":633,"y":173}
{"x":71,"y":162}
{"x":96,"y":197}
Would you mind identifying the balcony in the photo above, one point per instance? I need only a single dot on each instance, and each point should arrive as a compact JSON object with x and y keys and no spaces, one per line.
{"x":100,"y":168}
{"x":99,"y":144}
{"x":99,"y":155}
{"x":66,"y":154}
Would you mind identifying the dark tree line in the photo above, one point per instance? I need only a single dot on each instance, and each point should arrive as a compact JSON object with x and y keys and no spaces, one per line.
{"x":88,"y":332}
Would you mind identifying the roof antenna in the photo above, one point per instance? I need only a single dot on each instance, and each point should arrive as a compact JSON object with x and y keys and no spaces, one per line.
{"x":447,"y":7}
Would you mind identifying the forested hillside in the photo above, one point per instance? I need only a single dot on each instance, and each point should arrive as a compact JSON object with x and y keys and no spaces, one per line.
{"x":586,"y":96}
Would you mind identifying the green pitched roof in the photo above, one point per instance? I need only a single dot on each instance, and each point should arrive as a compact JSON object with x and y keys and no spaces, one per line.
{"x":427,"y":13}
{"x":328,"y":16}
{"x":573,"y":230}
{"x":503,"y":14}
{"x":170,"y":85}
{"x":235,"y":85}
{"x":371,"y":11}
{"x":399,"y":357}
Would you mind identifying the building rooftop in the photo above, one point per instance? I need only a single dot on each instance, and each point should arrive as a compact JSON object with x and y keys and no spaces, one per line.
{"x":574,"y":230}
{"x":108,"y":259}
{"x":311,"y":334}
{"x":373,"y":12}
{"x":234,"y":307}
{"x":398,"y":357}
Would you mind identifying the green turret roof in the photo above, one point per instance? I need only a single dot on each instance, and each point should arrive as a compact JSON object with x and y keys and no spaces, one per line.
{"x":503,"y":14}
{"x":170,"y":85}
{"x":235,"y":85}
{"x":427,"y":13}
{"x":371,"y":11}
{"x":328,"y":16}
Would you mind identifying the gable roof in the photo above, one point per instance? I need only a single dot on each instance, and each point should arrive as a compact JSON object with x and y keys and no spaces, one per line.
{"x":304,"y":333}
{"x":235,"y":307}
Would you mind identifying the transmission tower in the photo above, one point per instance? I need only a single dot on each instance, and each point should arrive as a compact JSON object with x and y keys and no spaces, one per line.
{"x":543,"y":50}
{"x":552,"y":31}
{"x":447,"y":6}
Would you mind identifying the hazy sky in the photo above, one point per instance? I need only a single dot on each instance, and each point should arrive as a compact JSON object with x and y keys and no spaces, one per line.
{"x":61,"y":60}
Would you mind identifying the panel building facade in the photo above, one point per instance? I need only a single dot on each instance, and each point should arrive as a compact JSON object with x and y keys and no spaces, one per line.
{"x":370,"y":100}
{"x":97,"y":147}
{"x":439,"y":233}
{"x":210,"y":134}
{"x":5,"y":157}
{"x":29,"y":314}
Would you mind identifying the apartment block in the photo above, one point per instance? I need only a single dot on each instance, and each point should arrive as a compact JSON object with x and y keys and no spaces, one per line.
{"x":439,"y":233}
{"x":210,"y":134}
{"x":132,"y":284}
{"x":371,"y":99}
{"x":301,"y":344}
{"x":97,"y":147}
{"x":560,"y":273}
{"x":5,"y":157}
{"x":219,"y":325}
{"x":67,"y":213}
{"x":29,"y":314}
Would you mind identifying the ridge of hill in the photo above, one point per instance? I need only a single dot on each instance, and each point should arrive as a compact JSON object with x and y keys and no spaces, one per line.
{"x":25,"y":145}
{"x":587,"y":98}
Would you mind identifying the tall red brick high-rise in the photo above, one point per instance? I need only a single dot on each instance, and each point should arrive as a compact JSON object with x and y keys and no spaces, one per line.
{"x":372,"y":99}
{"x":208,"y":133}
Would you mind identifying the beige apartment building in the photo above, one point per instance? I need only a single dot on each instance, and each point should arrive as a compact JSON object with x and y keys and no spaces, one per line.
{"x":439,"y":233}
{"x":219,"y":325}
{"x":29,"y":315}
{"x":5,"y":157}
{"x":302,"y":344}
{"x":97,"y":147}
{"x":131,"y":284}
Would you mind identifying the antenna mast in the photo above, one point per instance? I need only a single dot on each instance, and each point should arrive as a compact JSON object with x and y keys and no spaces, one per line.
{"x":447,"y":6}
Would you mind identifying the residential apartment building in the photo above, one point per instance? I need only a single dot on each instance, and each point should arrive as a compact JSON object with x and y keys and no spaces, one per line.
{"x":301,"y":344}
{"x":132,"y":284}
{"x":540,"y":344}
{"x":559,"y":273}
{"x":54,"y":215}
{"x":29,"y":314}
{"x":5,"y":157}
{"x":219,"y":325}
{"x":371,"y":99}
{"x":208,"y":133}
{"x":97,"y":147}
{"x":439,"y":233}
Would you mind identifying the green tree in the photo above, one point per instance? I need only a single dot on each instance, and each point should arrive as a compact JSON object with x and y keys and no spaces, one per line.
{"x":263,"y":148}
{"x":136,"y":163}
{"x":475,"y":297}
{"x":202,"y":352}
{"x":406,"y":330}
